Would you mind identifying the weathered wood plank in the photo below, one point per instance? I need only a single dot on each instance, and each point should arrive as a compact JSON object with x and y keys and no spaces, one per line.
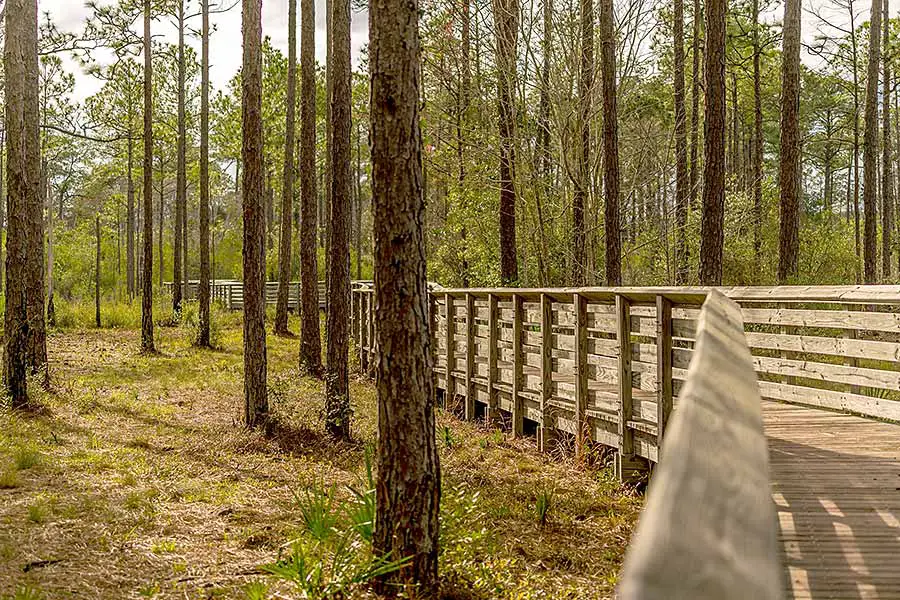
{"x":581,"y":376}
{"x":517,"y":408}
{"x":663,"y":364}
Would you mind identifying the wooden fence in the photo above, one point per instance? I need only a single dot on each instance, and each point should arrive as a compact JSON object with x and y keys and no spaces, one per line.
{"x":230,"y":293}
{"x":608,"y":364}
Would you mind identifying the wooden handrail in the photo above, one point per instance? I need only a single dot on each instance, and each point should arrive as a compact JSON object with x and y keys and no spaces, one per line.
{"x":709,"y":529}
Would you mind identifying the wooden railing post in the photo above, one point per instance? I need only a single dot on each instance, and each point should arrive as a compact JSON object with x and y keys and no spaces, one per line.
{"x":470,"y":357}
{"x":354,"y":315}
{"x":546,"y":433}
{"x":364,"y":332}
{"x":230,"y":296}
{"x":492,"y":416}
{"x":582,"y":433}
{"x":628,"y":466}
{"x":517,"y":403}
{"x":370,"y":334}
{"x":663,"y":366}
{"x":450,"y":391}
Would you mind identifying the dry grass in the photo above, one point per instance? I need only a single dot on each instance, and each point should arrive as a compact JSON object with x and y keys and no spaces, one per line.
{"x":136,"y":480}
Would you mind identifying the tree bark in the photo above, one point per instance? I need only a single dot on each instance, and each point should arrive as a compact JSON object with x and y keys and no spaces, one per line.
{"x":408,"y":487}
{"x":870,"y":150}
{"x":287,"y":188}
{"x":147,"y":344}
{"x":129,"y":216}
{"x":713,"y":217}
{"x":887,"y":176}
{"x":337,"y":382}
{"x":256,"y":406}
{"x":582,"y":187}
{"x":789,"y":176}
{"x":681,"y":172}
{"x":610,"y":145}
{"x":506,"y":19}
{"x":310,"y":340}
{"x":203,"y":291}
{"x":23,"y":183}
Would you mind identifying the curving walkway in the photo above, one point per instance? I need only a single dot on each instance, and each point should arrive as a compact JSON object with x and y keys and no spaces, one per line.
{"x":836,"y":487}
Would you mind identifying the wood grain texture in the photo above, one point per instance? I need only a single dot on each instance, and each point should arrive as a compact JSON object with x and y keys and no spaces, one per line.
{"x":708,"y":529}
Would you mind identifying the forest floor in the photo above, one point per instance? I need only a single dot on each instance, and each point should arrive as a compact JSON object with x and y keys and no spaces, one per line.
{"x":134,"y":479}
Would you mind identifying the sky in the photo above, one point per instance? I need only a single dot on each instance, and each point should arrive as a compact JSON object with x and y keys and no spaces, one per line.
{"x":225,"y":43}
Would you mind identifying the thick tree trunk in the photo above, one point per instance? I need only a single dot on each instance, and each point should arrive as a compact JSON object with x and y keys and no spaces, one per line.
{"x":287,"y":188}
{"x":329,"y":140}
{"x":203,"y":290}
{"x":506,"y":19}
{"x":23,"y":183}
{"x":870,"y":150}
{"x":408,"y":488}
{"x":147,"y":344}
{"x":610,"y":145}
{"x":337,"y":383}
{"x":789,"y":176}
{"x":713,"y":217}
{"x":887,"y":176}
{"x":583,"y":185}
{"x":681,"y":173}
{"x":256,"y":405}
{"x":310,"y":341}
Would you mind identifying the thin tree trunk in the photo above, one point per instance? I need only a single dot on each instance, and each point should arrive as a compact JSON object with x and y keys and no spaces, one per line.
{"x":870,"y":150}
{"x":582,"y":187}
{"x":887,"y":177}
{"x":97,"y":274}
{"x":129,"y":216}
{"x":337,"y":383}
{"x":610,"y":144}
{"x":757,"y":146}
{"x":408,"y":487}
{"x":287,"y":188}
{"x":147,"y":344}
{"x":789,"y":176}
{"x":256,"y":406}
{"x":180,"y":175}
{"x":695,"y":105}
{"x":713,"y":217}
{"x":681,"y":173}
{"x":359,"y":203}
{"x":203,"y":290}
{"x":506,"y":19}
{"x":310,"y":341}
{"x":329,"y":141}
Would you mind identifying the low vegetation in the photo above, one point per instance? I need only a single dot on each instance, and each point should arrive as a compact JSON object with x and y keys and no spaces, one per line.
{"x":134,"y":478}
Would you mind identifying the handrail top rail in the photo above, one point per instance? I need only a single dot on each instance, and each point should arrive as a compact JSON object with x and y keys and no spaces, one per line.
{"x":696,"y":295}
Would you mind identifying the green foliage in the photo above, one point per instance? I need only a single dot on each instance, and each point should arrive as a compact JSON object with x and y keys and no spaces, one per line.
{"x":361,"y":511}
{"x":317,"y":511}
{"x":543,"y":505}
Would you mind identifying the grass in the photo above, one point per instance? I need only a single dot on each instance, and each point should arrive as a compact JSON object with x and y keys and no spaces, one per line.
{"x":136,"y":479}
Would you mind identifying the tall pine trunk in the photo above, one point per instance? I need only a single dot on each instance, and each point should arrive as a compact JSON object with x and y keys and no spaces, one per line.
{"x":23,"y":187}
{"x":610,"y":145}
{"x":287,"y":187}
{"x":870,"y":150}
{"x":583,"y":183}
{"x":203,"y":290}
{"x":789,"y":175}
{"x":681,"y":172}
{"x":506,"y":23}
{"x":757,"y":146}
{"x":887,"y":176}
{"x":310,"y":341}
{"x":337,"y":383}
{"x":180,"y":175}
{"x":256,"y":405}
{"x":713,"y":217}
{"x":695,"y":104}
{"x":408,"y":487}
{"x":147,"y":344}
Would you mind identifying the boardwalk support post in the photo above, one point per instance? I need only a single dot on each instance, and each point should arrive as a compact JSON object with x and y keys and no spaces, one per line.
{"x":629,"y":466}
{"x":546,"y":433}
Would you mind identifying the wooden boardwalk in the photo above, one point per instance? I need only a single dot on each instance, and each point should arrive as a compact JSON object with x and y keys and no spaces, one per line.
{"x":836,"y":487}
